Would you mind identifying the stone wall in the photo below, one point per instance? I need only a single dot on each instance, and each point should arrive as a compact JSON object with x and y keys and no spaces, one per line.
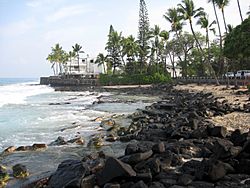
{"x":68,"y":81}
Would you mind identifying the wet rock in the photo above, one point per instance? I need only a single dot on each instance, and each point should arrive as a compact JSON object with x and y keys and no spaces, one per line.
{"x":24,"y":148}
{"x":4,"y":176}
{"x":168,"y":182}
{"x":20,"y":171}
{"x":10,"y":149}
{"x":69,"y":172}
{"x":79,"y":140}
{"x":114,"y":168}
{"x":107,"y":124}
{"x":39,"y":146}
{"x":137,"y":157}
{"x":58,"y":142}
{"x":96,"y":141}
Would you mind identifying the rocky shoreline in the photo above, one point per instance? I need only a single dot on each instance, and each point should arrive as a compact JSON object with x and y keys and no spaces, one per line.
{"x":171,"y":143}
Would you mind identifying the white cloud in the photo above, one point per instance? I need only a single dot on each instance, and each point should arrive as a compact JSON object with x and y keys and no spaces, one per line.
{"x":68,"y":11}
{"x":39,"y":3}
{"x":18,"y":28}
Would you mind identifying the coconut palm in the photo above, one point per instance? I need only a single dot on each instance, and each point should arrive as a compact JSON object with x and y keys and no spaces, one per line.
{"x":155,"y":34}
{"x":173,"y":17}
{"x":77,"y":48}
{"x":240,"y":10}
{"x":165,"y":36}
{"x":101,"y":60}
{"x":205,"y":24}
{"x":51,"y":59}
{"x":188,"y":11}
{"x":221,"y":5}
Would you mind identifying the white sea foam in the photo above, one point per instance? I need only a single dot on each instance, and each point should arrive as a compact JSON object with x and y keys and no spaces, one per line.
{"x":18,"y":93}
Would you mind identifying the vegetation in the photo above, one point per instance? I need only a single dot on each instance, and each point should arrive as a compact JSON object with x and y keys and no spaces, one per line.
{"x":157,"y":52}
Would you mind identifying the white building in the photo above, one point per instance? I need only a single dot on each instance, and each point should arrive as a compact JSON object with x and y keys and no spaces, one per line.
{"x":86,"y":66}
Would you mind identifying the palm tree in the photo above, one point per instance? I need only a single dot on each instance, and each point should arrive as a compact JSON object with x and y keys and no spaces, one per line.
{"x":101,"y":60}
{"x":51,"y":59}
{"x":204,"y":23}
{"x":165,"y":36}
{"x":222,"y":4}
{"x":188,"y":11}
{"x":72,"y":55}
{"x":220,"y":35}
{"x":155,"y":33}
{"x":77,"y":49}
{"x":173,"y":17}
{"x":240,"y":10}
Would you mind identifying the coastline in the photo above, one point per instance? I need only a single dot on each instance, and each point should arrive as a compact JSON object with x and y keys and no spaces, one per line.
{"x":161,"y":91}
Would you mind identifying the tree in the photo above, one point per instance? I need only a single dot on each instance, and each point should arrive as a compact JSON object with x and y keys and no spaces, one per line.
{"x":143,"y":34}
{"x":222,"y":4}
{"x":205,"y":24}
{"x":131,"y":49}
{"x":58,"y":57}
{"x":77,"y":48}
{"x":188,"y":11}
{"x":240,"y":10}
{"x":174,"y":18}
{"x":237,"y":42}
{"x":72,"y":55}
{"x":155,"y":34}
{"x":101,"y":60}
{"x":220,"y":60}
{"x":113,"y":47}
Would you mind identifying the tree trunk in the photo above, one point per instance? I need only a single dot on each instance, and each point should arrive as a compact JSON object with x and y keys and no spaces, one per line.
{"x":219,"y":29}
{"x":240,"y":10}
{"x":222,"y":10}
{"x":196,"y":40}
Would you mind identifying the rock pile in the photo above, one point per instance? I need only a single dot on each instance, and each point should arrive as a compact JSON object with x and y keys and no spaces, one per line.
{"x":176,"y":147}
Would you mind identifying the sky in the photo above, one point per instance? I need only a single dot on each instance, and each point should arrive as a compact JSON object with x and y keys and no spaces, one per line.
{"x":29,"y":28}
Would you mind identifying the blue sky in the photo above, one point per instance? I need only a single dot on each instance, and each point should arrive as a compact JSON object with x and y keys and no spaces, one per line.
{"x":29,"y":28}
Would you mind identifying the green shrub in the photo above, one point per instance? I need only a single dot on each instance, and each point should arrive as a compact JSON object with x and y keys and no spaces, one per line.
{"x":134,"y":79}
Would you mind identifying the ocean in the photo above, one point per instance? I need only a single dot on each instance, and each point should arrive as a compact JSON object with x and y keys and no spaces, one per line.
{"x":32,"y":113}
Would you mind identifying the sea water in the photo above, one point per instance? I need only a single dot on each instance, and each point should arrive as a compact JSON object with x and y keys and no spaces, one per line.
{"x":32,"y":113}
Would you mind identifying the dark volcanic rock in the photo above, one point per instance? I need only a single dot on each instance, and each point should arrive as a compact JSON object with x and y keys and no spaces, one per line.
{"x":114,"y":168}
{"x":237,"y":138}
{"x":59,"y":141}
{"x":218,"y":131}
{"x":137,"y":157}
{"x":20,"y":171}
{"x":69,"y":173}
{"x":139,"y":184}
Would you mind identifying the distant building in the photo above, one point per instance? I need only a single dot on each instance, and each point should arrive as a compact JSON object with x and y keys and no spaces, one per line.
{"x":174,"y":73}
{"x":86,"y":66}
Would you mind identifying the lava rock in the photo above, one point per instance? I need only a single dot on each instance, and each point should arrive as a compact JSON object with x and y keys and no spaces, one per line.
{"x":20,"y":171}
{"x":69,"y":172}
{"x":114,"y":168}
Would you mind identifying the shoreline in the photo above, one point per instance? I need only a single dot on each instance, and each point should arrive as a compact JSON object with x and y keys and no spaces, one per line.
{"x":142,"y":90}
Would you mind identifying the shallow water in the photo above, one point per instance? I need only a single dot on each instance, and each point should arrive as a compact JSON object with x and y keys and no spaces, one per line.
{"x":31,"y":113}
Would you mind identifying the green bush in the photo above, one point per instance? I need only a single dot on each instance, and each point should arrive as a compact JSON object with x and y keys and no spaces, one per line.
{"x":134,"y":79}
